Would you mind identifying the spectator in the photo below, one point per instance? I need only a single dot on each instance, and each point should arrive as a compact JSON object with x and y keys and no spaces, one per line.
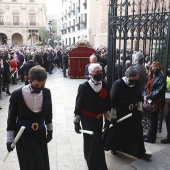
{"x":155,"y":90}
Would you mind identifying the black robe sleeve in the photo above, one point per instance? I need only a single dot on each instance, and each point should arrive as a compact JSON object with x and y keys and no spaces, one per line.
{"x":80,"y":99}
{"x":47,"y":106}
{"x":13,"y":112}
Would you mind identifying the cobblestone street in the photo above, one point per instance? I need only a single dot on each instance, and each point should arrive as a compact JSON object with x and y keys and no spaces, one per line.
{"x":66,"y":147}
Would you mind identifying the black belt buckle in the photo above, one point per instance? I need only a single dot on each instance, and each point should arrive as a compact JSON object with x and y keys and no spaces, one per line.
{"x":34,"y":126}
{"x":99,"y":116}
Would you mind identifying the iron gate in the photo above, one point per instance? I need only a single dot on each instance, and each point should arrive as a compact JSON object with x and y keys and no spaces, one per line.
{"x":135,"y":25}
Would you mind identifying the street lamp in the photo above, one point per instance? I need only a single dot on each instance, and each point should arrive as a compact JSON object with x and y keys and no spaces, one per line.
{"x":50,"y":26}
{"x":51,"y":42}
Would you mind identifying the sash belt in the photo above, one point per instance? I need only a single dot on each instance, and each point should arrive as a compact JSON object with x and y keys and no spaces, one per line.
{"x":30,"y":125}
{"x":90,"y":114}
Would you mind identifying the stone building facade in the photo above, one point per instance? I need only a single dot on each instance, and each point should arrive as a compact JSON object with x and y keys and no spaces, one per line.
{"x":20,"y":21}
{"x":78,"y":19}
{"x":100,"y":39}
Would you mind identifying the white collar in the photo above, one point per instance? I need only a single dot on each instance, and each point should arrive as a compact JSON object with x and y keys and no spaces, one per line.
{"x":96,"y":87}
{"x":126,"y":81}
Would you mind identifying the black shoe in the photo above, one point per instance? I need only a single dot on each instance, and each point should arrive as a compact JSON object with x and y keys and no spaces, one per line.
{"x":3,"y":89}
{"x":113,"y":152}
{"x":165,"y":141}
{"x":0,"y":107}
{"x":145,"y":156}
{"x":8,"y":93}
{"x":149,"y":141}
{"x":144,"y":136}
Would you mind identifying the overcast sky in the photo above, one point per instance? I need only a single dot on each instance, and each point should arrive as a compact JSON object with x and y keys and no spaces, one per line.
{"x":52,"y":6}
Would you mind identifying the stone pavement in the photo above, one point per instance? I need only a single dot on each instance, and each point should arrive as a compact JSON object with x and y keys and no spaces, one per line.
{"x":66,"y":148}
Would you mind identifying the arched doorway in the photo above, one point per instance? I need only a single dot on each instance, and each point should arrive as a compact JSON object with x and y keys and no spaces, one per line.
{"x":3,"y":39}
{"x":17,"y":39}
{"x":33,"y":38}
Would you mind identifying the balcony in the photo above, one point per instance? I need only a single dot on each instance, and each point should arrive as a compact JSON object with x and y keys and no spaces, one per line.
{"x":73,"y":11}
{"x":73,"y":27}
{"x":26,"y":24}
{"x":78,"y":8}
{"x":85,"y":3}
{"x":68,"y":28}
{"x":32,"y":23}
{"x":78,"y":26}
{"x":64,"y":31}
{"x":15,"y":23}
{"x":83,"y":22}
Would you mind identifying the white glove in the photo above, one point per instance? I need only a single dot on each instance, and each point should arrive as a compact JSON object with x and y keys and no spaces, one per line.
{"x":140,"y":107}
{"x":110,"y":114}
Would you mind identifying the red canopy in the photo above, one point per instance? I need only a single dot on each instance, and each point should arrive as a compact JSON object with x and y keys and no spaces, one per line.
{"x":78,"y":59}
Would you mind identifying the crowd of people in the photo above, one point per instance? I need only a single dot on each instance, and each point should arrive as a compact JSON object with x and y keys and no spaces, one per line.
{"x":95,"y":101}
{"x":16,"y":61}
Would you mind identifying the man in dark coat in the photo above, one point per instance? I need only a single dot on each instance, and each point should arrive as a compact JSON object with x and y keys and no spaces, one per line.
{"x":50,"y":61}
{"x":31,"y":106}
{"x":59,"y":58}
{"x":27,"y":66}
{"x":93,"y":59}
{"x":92,"y":102}
{"x":65,"y":63}
{"x":127,"y":136}
{"x":20,"y":57}
{"x":139,"y":58}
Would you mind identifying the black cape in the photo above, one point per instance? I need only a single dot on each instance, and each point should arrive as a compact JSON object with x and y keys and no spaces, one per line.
{"x":126,"y":136}
{"x":88,"y":99}
{"x":31,"y":148}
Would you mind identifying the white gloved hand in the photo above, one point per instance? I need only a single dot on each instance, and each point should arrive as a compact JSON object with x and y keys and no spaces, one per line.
{"x":111,"y":114}
{"x":140,"y":107}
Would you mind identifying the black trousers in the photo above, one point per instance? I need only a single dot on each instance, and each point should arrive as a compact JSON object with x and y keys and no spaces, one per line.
{"x":168,"y":123}
{"x":151,"y":135}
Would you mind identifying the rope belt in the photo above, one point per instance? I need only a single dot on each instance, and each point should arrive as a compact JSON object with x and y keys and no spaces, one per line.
{"x":90,"y":114}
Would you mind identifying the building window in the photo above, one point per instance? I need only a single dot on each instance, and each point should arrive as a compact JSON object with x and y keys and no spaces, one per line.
{"x":14,"y":0}
{"x":32,"y":19}
{"x":1,"y":19}
{"x":31,"y":0}
{"x":74,"y":40}
{"x":69,"y":41}
{"x":16,"y":19}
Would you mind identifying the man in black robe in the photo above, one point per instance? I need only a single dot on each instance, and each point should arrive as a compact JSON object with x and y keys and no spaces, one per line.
{"x":92,"y":102}
{"x":31,"y":106}
{"x":127,"y":136}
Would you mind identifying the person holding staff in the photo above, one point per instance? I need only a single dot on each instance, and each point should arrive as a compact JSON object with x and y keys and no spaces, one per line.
{"x":92,"y":102}
{"x":127,"y":136}
{"x":31,"y":106}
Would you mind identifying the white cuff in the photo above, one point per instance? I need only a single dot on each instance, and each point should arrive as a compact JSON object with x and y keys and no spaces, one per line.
{"x":10,"y":136}
{"x":49,"y":127}
{"x":77,"y":118}
{"x":110,"y":114}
